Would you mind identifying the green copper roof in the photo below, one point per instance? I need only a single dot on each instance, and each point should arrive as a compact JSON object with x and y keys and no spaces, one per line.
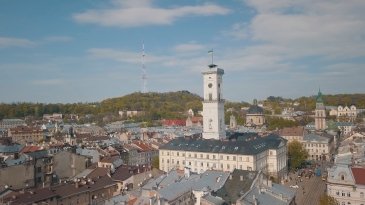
{"x":319,"y":98}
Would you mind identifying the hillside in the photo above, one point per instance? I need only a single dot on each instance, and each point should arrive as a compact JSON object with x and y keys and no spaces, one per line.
{"x":166,"y":105}
{"x":159,"y":105}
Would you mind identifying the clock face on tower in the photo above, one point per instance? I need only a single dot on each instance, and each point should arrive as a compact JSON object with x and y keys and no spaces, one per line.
{"x":210,"y":85}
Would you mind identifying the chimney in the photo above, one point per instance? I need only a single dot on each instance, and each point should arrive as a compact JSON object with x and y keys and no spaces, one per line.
{"x":241,"y":178}
{"x":230,"y":177}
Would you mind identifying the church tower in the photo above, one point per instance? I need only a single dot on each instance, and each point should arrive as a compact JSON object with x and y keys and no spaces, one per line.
{"x":213,"y":104}
{"x":320,"y":113}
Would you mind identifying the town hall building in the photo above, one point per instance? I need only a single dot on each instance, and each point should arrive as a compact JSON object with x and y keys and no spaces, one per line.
{"x":217,"y":150}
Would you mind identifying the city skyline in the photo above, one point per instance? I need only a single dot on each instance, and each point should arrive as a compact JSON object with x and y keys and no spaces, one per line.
{"x":87,"y":51}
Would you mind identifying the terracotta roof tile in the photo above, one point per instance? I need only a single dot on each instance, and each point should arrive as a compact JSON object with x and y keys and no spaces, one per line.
{"x":359,"y":175}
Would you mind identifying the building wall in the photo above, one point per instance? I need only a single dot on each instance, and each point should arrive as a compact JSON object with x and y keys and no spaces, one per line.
{"x":316,"y":150}
{"x":17,"y":176}
{"x":201,"y":161}
{"x":255,"y":119}
{"x":67,"y":164}
{"x":341,"y":185}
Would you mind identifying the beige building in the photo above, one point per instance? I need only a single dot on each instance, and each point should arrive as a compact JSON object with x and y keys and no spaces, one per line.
{"x":268,"y":154}
{"x":318,"y":147}
{"x":25,"y":134}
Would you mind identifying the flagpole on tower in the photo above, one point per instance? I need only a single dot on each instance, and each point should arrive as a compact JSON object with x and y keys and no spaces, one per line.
{"x":211,"y":53}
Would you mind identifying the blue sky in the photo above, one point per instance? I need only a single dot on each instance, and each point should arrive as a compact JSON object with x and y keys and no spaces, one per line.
{"x":90,"y":50}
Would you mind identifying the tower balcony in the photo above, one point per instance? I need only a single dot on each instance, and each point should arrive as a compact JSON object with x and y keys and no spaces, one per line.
{"x":214,"y":101}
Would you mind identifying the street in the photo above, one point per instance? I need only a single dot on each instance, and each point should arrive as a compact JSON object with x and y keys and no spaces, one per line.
{"x":310,"y":189}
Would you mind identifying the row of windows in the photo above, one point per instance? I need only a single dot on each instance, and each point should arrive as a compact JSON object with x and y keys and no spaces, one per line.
{"x":201,"y":164}
{"x":208,"y":156}
{"x":315,"y":145}
{"x":213,"y":165}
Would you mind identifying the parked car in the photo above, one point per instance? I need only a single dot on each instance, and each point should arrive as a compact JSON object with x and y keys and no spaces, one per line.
{"x":294,"y":186}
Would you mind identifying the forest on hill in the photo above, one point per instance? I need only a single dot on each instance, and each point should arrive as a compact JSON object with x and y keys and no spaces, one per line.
{"x":161,"y":105}
{"x":309,"y":103}
{"x":155,"y":105}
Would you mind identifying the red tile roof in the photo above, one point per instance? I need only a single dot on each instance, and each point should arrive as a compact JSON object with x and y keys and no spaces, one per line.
{"x":28,"y":149}
{"x":359,"y":175}
{"x":292,"y":131}
{"x":173,"y":122}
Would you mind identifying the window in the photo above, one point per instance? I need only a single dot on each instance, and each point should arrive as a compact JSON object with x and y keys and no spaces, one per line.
{"x":201,"y":164}
{"x":227,"y":157}
{"x":201,"y":155}
{"x":177,"y":153}
{"x":221,"y":157}
{"x":213,"y":156}
{"x":210,"y":96}
{"x":234,"y":158}
{"x":207,"y":156}
{"x":361,"y":194}
{"x":342,"y":177}
{"x":348,"y":194}
{"x":343,"y":194}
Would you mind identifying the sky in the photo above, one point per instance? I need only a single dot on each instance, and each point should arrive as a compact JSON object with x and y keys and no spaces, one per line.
{"x":89,"y":50}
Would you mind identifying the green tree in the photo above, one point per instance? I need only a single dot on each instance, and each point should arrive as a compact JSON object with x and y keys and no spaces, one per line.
{"x":327,"y":200}
{"x":155,"y":162}
{"x":297,"y":154}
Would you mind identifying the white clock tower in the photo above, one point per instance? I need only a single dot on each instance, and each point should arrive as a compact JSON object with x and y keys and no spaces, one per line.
{"x":213,"y":104}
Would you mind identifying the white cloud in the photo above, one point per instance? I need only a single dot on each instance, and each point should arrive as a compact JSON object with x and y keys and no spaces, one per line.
{"x":237,"y":31}
{"x":58,"y":39}
{"x":48,"y":82}
{"x":142,"y":13}
{"x":287,"y":35}
{"x":15,"y":42}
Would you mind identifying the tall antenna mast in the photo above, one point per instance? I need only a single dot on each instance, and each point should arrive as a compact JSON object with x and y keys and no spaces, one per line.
{"x":144,"y":73}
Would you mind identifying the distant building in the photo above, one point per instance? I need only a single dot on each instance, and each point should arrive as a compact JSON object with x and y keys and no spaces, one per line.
{"x":318,"y":146}
{"x":194,"y":121}
{"x":11,"y":123}
{"x":255,"y":115}
{"x":292,"y":133}
{"x":232,"y":122}
{"x":55,"y":117}
{"x":25,"y":134}
{"x":320,"y":113}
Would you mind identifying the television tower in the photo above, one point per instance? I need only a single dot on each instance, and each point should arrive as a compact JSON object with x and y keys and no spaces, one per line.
{"x":144,"y":73}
